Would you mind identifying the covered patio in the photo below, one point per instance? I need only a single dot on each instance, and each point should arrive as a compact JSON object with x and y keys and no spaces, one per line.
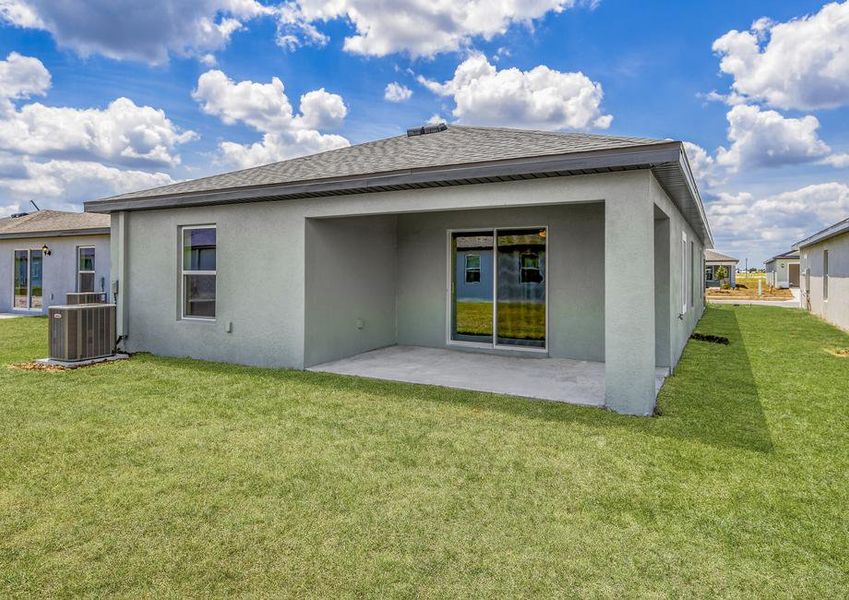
{"x":557,"y":379}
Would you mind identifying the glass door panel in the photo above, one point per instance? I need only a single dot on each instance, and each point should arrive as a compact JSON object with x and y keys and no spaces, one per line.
{"x":21,"y":279}
{"x":520,"y":287}
{"x":35,"y":270}
{"x":472,"y":286}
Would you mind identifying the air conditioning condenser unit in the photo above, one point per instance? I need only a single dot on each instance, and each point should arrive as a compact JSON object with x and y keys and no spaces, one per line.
{"x":81,"y":332}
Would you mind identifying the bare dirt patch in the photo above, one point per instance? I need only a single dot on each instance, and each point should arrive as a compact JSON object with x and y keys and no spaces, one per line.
{"x":37,"y":366}
{"x":839,"y":352}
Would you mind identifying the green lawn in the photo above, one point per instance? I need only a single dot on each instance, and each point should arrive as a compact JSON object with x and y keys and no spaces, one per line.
{"x":181,"y":478}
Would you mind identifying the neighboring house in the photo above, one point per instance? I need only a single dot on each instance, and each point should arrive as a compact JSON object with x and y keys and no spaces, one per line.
{"x":782,"y":270}
{"x":714,"y":260}
{"x":499,"y":240}
{"x":48,"y":253}
{"x":825,"y":273}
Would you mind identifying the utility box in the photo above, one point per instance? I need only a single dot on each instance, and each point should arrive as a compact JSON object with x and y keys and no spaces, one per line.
{"x":72,"y":298}
{"x":81,"y":332}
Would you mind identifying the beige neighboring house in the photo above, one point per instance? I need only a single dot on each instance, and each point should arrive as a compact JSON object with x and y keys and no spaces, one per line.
{"x":825,"y":273}
{"x":714,"y":260}
{"x":48,"y":253}
{"x":783,"y":270}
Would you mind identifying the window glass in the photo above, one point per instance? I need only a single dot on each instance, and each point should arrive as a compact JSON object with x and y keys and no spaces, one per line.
{"x":473,"y":268}
{"x":86,"y":259}
{"x":200,"y":296}
{"x":199,"y":249}
{"x":35,"y":279}
{"x":21,"y":278}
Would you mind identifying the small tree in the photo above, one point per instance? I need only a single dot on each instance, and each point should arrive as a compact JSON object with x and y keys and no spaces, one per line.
{"x":720,"y":272}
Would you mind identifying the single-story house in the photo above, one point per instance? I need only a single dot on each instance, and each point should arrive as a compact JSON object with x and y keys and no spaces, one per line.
{"x":782,"y":270}
{"x":825,"y":273}
{"x":714,"y":260}
{"x":577,"y":246}
{"x":47,"y":254}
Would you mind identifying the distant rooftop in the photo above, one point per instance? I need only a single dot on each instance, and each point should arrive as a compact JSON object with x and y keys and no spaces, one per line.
{"x":52,"y":223}
{"x":714,"y":256}
{"x":790,"y":254}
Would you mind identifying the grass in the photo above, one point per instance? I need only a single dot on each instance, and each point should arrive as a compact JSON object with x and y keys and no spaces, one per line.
{"x":516,"y":320}
{"x":172,"y":477}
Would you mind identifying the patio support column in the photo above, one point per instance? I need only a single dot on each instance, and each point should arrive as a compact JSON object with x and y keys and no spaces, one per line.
{"x":629,"y":297}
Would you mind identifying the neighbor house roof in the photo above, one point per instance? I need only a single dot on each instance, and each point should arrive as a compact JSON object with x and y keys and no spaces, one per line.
{"x":829,"y":232}
{"x":50,"y":223}
{"x":714,"y":256}
{"x":789,"y":255}
{"x":453,"y":155}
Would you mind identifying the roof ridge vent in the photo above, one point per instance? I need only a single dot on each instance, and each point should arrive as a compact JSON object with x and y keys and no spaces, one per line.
{"x":424,"y":130}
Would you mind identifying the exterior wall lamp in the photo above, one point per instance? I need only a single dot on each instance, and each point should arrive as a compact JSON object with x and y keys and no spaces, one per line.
{"x":46,"y":251}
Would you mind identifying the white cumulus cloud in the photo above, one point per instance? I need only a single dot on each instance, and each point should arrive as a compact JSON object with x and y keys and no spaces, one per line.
{"x":127,"y":29}
{"x":266,"y":108}
{"x":53,"y":154}
{"x":760,"y":227}
{"x":416,"y":27}
{"x":766,"y":138}
{"x":397,"y":92}
{"x":800,"y":64}
{"x":540,"y":98}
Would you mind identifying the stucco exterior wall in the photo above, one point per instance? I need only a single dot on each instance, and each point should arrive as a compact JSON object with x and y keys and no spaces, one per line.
{"x":836,"y":309}
{"x":685,"y":309}
{"x":350,"y":286}
{"x":59,"y":269}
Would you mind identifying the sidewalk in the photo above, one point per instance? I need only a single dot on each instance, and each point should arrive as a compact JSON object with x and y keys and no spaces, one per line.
{"x":796,"y":302}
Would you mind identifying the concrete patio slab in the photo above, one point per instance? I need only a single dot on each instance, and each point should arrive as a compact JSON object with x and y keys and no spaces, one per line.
{"x":557,"y":379}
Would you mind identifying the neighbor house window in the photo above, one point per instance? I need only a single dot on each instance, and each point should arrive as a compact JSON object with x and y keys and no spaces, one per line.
{"x":531,"y":269}
{"x":825,"y":275}
{"x":473,"y":268}
{"x":198,"y":272}
{"x":709,"y":273}
{"x":85,"y":269}
{"x":27,"y":293}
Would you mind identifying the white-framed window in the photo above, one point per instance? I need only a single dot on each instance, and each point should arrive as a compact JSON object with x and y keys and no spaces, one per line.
{"x":692,"y":277}
{"x":825,"y":274}
{"x":473,"y":268}
{"x":85,"y":268}
{"x":685,"y":273}
{"x":27,"y":290}
{"x":198,"y":271}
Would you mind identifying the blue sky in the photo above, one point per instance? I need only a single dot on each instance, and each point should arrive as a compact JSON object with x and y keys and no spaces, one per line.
{"x":759,"y":90}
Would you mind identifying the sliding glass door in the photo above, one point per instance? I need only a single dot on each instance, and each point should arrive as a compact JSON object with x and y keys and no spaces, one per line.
{"x":498,"y":287}
{"x":28,"y":280}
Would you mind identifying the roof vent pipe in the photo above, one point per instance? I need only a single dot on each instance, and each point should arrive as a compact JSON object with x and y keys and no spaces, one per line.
{"x":426,"y":129}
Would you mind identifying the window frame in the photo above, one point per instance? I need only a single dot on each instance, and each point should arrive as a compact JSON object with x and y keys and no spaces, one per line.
{"x":93,"y":272}
{"x":29,"y":296}
{"x":685,"y":277}
{"x":825,"y":257}
{"x":184,"y":272}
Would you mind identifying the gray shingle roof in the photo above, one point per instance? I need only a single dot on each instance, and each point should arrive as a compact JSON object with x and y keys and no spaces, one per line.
{"x":457,"y":145}
{"x":831,"y":231}
{"x":714,"y":256}
{"x":53,"y":222}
